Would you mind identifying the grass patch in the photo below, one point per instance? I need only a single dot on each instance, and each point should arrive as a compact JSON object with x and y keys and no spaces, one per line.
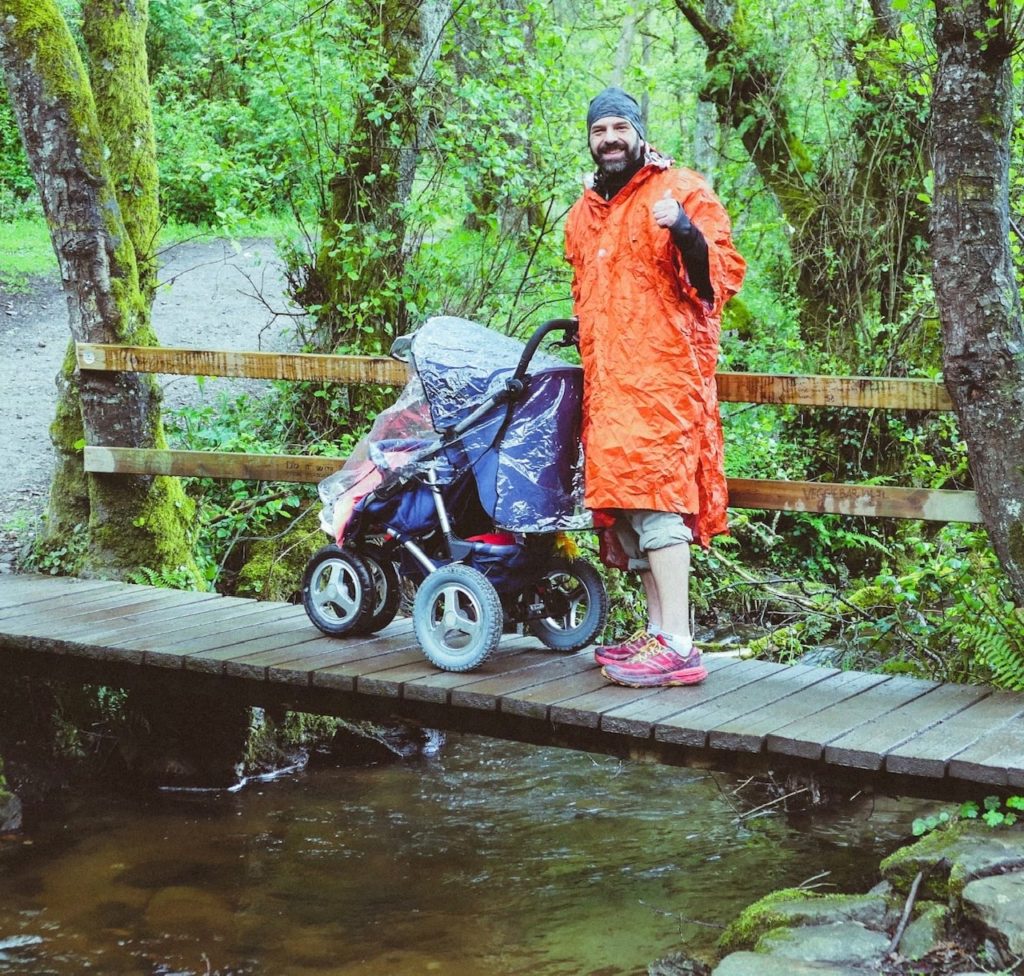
{"x":28,"y":252}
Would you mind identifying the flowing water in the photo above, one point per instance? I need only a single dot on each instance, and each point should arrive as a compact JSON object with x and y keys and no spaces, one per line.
{"x":490,"y":859}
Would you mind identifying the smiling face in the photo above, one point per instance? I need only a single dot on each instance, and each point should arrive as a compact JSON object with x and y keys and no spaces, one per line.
{"x":614,"y":144}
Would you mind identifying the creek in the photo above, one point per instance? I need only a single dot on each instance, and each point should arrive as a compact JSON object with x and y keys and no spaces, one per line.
{"x":489,"y":858}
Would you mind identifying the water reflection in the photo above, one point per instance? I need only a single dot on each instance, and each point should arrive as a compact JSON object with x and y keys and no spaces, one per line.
{"x":491,"y":858}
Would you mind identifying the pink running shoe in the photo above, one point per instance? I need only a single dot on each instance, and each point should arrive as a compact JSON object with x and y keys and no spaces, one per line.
{"x":657,"y":665}
{"x":626,"y":651}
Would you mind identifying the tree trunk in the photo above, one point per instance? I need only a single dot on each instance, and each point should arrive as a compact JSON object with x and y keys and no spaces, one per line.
{"x":115,"y":36}
{"x":110,"y":524}
{"x":356,"y":282}
{"x":975,"y":282}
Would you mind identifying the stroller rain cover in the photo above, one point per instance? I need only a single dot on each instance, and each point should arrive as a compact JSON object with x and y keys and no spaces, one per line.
{"x":527,"y":462}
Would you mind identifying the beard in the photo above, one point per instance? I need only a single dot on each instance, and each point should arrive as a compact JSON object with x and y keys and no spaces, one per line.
{"x":611,"y":167}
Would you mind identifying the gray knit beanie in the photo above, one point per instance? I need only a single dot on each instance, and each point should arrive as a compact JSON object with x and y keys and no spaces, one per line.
{"x":614,"y":101}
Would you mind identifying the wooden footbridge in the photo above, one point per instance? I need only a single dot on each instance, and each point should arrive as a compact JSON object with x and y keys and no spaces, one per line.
{"x":896,"y":734}
{"x":902,"y":735}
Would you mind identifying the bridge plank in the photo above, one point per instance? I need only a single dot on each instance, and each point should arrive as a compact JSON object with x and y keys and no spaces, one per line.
{"x":419,"y":680}
{"x":639,"y":719}
{"x":485,"y":693}
{"x":955,"y":737}
{"x":994,"y":757}
{"x":104,"y":605}
{"x":746,"y":732}
{"x":167,"y":642}
{"x":26,"y":590}
{"x":929,"y":754}
{"x":536,"y":701}
{"x":321,"y":653}
{"x":514,"y":655}
{"x":123,"y":625}
{"x":866,"y":746}
{"x":15,"y":601}
{"x":209,"y":652}
{"x":807,"y":737}
{"x":270,"y":652}
{"x":690,"y":727}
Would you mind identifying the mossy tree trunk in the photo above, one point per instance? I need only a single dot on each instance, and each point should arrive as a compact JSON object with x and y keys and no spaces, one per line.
{"x":96,"y":175}
{"x":976,"y":284}
{"x":355,"y":285}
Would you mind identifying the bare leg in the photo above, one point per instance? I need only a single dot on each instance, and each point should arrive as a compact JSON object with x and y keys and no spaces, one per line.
{"x":670,"y":576}
{"x":653,"y":603}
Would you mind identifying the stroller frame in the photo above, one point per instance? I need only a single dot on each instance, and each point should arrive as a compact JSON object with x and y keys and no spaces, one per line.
{"x":470,"y":590}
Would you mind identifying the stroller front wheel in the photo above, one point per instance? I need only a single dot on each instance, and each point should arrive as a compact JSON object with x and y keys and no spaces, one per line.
{"x":575,"y":605}
{"x":458,"y":617}
{"x":337,"y":591}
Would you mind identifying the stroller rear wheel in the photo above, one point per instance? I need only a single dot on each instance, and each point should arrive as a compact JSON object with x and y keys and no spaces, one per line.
{"x":337,"y":591}
{"x":575,"y":605}
{"x":458,"y":617}
{"x":386,"y":587}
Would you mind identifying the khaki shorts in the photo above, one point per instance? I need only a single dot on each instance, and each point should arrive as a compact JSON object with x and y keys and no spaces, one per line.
{"x":640,"y":530}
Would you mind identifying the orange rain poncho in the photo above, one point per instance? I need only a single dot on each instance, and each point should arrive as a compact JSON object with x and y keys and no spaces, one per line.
{"x":652,"y":435}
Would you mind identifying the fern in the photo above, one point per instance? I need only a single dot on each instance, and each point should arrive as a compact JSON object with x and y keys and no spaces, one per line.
{"x":998,"y":642}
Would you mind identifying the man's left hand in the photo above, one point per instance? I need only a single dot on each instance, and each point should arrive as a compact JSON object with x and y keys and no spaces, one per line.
{"x":666,"y":210}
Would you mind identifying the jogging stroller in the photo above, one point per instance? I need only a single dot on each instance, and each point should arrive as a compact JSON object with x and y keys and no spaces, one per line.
{"x":465,"y":488}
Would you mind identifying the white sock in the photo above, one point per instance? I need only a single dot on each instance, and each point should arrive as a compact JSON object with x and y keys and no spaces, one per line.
{"x":677,"y":642}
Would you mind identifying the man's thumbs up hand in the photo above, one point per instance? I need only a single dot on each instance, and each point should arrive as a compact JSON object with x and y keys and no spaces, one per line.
{"x":666,"y":210}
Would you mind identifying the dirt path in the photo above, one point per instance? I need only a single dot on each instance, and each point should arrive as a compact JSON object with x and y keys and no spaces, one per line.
{"x":210,"y":302}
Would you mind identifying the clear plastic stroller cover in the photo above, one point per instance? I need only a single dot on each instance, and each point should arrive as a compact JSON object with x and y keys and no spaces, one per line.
{"x":526,"y":460}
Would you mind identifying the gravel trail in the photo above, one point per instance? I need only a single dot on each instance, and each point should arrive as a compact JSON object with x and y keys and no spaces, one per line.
{"x":210,"y":299}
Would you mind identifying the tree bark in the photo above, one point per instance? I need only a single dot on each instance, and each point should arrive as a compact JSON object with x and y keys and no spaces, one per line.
{"x":110,"y":525}
{"x":975,"y":281}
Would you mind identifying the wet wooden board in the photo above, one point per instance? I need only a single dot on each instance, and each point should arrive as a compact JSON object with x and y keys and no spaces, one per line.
{"x":126,"y":623}
{"x":272,"y":650}
{"x":96,"y":605}
{"x":808,"y":736}
{"x":14,"y":603}
{"x":867,"y":746}
{"x":930,"y":753}
{"x":418,"y":680}
{"x":956,"y":737}
{"x":994,"y":757}
{"x":486,"y":692}
{"x":640,"y":718}
{"x":692,"y":727}
{"x":794,"y":696}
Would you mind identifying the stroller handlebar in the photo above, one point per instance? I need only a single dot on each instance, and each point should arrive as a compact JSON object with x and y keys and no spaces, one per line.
{"x":568,"y":326}
{"x":515,"y":384}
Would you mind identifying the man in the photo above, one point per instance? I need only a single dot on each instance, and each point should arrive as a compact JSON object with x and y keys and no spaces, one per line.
{"x":653,"y":265}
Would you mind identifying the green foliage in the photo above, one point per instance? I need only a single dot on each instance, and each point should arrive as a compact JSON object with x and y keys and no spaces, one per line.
{"x":58,"y":557}
{"x":993,"y":810}
{"x":17,"y":188}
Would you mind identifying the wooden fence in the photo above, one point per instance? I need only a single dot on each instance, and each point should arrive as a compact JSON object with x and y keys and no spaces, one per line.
{"x":799,"y":496}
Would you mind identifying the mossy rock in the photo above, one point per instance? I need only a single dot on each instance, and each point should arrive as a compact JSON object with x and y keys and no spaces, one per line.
{"x":274,"y":566}
{"x":795,"y":906}
{"x":761,"y":917}
{"x":954,"y":856}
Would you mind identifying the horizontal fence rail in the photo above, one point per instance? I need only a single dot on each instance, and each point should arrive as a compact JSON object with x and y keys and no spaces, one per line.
{"x":859,"y":392}
{"x":797,"y":496}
